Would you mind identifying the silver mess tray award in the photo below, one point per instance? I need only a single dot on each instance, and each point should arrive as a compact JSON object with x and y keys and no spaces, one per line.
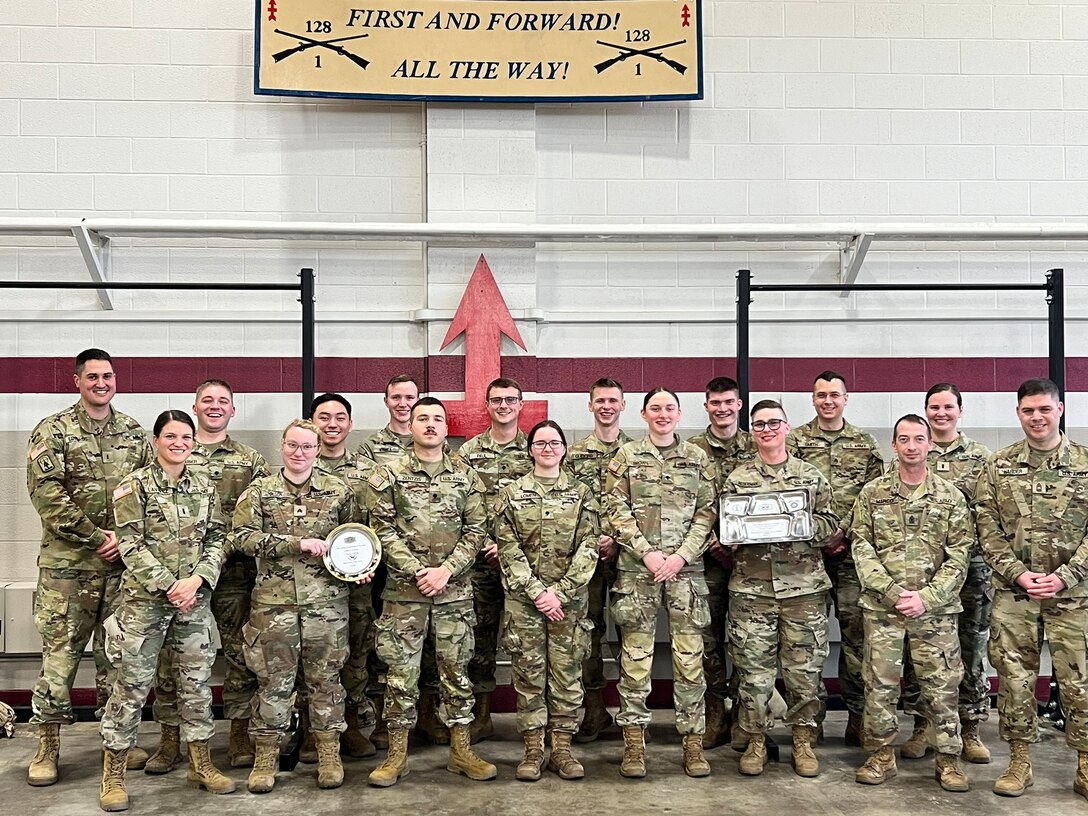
{"x":354,"y":552}
{"x":781,"y":515}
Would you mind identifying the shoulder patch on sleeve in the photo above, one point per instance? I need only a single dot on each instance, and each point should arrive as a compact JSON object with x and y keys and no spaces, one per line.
{"x":498,"y":505}
{"x":122,"y":490}
{"x":37,"y":450}
{"x":378,"y":481}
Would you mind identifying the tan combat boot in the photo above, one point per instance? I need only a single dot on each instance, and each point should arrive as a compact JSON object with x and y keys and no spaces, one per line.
{"x":204,"y":774}
{"x":43,"y":768}
{"x":1017,"y":778}
{"x":950,"y":774}
{"x":265,"y":760}
{"x":481,"y":728}
{"x":379,"y":736}
{"x":561,"y":760}
{"x":168,"y":756}
{"x":307,"y":752}
{"x":330,"y":770}
{"x":429,"y":725}
{"x":738,"y":737}
{"x":854,"y":725}
{"x":596,"y":718}
{"x":137,"y":758}
{"x":878,"y":768}
{"x":353,"y":741}
{"x":695,"y":764}
{"x":633,"y":764}
{"x":528,"y":769}
{"x":918,"y":743}
{"x":1080,"y":781}
{"x":754,"y":758}
{"x":113,"y":796}
{"x":717,"y":724}
{"x":395,"y":765}
{"x":974,"y":751}
{"x":804,"y":757}
{"x":463,"y":760}
{"x":240,"y":751}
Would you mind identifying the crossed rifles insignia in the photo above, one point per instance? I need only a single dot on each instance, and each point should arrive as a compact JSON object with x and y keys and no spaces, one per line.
{"x":306,"y":43}
{"x":651,"y":51}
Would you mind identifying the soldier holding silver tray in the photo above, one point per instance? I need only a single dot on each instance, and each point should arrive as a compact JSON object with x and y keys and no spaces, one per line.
{"x":776,"y":514}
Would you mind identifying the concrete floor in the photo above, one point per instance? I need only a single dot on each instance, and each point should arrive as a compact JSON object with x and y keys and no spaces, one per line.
{"x":431,"y":790}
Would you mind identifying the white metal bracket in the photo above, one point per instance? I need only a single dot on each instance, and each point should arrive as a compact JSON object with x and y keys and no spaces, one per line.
{"x":96,"y":254}
{"x":851,"y":257}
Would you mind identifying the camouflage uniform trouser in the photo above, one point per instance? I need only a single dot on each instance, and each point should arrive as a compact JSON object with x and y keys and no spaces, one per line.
{"x":764,"y":632}
{"x":546,"y":661}
{"x":846,"y":595}
{"x":282,"y":639}
{"x":1017,"y":630}
{"x":600,"y":585}
{"x":977,"y":597}
{"x":935,"y":651}
{"x":70,"y":606}
{"x":636,"y":600}
{"x":230,"y":608}
{"x":401,"y":632}
{"x":714,"y":637}
{"x":376,"y":668}
{"x":135,"y":637}
{"x":487,"y":599}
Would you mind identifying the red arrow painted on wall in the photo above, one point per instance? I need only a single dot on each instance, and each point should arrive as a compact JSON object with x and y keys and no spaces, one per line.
{"x":483,"y":317}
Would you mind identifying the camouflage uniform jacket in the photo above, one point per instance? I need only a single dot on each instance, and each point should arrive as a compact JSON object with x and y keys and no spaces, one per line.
{"x":587,"y":460}
{"x":548,"y":537}
{"x":72,"y":469}
{"x":960,"y":463}
{"x":497,"y":465}
{"x":725,"y":454}
{"x":918,"y":544}
{"x":660,"y":500}
{"x":353,"y":472}
{"x":1035,"y":520}
{"x":786,"y":569}
{"x":428,"y":522}
{"x":167,"y":529}
{"x":270,"y":521}
{"x":848,"y":460}
{"x":231,"y":466}
{"x":385,"y":447}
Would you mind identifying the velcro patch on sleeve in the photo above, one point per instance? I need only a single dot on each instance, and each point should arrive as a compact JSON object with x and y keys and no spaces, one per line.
{"x":37,"y":450}
{"x":377,"y":481}
{"x":122,"y":490}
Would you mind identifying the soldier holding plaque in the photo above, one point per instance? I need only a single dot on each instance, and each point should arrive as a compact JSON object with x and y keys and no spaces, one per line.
{"x":776,"y":514}
{"x":299,"y":617}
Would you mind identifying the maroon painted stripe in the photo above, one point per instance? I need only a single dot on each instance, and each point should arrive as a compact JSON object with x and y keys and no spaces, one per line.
{"x":544,"y":375}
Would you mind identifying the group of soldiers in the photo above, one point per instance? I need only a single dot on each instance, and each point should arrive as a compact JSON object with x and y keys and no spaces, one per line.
{"x":911,"y":556}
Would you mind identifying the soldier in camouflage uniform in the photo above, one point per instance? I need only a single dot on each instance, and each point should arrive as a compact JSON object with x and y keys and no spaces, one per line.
{"x":299,"y":616}
{"x":385,"y":447}
{"x":911,"y":537}
{"x":548,"y":532}
{"x":231,"y":465}
{"x":587,"y":460}
{"x":428,"y":509}
{"x":500,"y":457}
{"x":331,"y":413}
{"x":778,"y":601}
{"x":75,"y":460}
{"x":959,"y":459}
{"x":727,"y":446}
{"x":1031,"y":507}
{"x":662,"y":511}
{"x":848,"y":457}
{"x":171,"y":533}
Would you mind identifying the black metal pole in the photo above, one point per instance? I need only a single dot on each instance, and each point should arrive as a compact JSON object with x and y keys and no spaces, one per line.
{"x":744,"y":302}
{"x":1055,"y":299}
{"x":306,"y":297}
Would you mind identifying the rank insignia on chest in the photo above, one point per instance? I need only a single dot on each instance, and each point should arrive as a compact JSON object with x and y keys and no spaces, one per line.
{"x":183,"y":512}
{"x":1039,"y":487}
{"x":300,"y":511}
{"x":943,"y":467}
{"x":911,"y":519}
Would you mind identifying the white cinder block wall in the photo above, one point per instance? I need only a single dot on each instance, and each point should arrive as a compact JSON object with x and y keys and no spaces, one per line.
{"x":814,"y":111}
